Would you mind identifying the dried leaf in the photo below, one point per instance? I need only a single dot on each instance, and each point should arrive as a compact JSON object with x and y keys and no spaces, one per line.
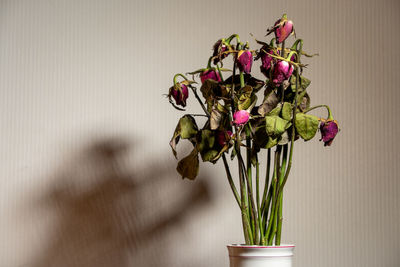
{"x":186,"y":129}
{"x":269,"y":103}
{"x":189,"y":166}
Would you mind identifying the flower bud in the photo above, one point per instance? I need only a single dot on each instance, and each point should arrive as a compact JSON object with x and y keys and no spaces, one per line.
{"x":210,"y":74}
{"x":283,"y":28}
{"x":241,"y":117}
{"x":328,"y":129}
{"x":282,"y":72}
{"x":180,"y":95}
{"x":244,"y":61}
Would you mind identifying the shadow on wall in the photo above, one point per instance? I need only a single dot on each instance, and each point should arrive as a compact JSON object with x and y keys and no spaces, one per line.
{"x":107,"y":216}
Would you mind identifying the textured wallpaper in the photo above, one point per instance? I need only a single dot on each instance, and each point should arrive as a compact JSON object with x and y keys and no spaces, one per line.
{"x":87,"y":175}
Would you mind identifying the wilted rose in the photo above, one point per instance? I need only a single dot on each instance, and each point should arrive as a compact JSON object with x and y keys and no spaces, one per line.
{"x":223,"y":137}
{"x":282,"y":72}
{"x":244,"y":61}
{"x":329,"y":130}
{"x":210,"y":74}
{"x":179,"y":94}
{"x":219,"y":51}
{"x":283,"y":28}
{"x":266,"y":59}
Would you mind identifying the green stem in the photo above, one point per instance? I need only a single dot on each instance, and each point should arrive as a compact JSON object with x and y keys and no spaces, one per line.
{"x":233,"y":36}
{"x":267,"y":173}
{"x":275,"y":195}
{"x":268,"y":234}
{"x":241,"y":79}
{"x":244,"y":208}
{"x":280,"y":219}
{"x":249,"y":182}
{"x":201,"y":103}
{"x":283,"y":55}
{"x":231,"y":183}
{"x":181,"y":75}
{"x":280,"y":196}
{"x":330,"y":117}
{"x":262,"y":238}
{"x":293,"y":131}
{"x":209,"y":62}
{"x":220,"y":73}
{"x":251,"y":204}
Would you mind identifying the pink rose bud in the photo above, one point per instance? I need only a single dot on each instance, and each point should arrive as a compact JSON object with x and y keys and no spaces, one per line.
{"x":244,"y":61}
{"x":241,"y":117}
{"x":210,"y":74}
{"x":180,"y":96}
{"x":223,"y":137}
{"x":282,"y":72}
{"x":283,"y":28}
{"x":329,"y":130}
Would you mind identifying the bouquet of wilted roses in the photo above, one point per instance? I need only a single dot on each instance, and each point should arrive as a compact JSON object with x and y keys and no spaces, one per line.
{"x":235,"y":122}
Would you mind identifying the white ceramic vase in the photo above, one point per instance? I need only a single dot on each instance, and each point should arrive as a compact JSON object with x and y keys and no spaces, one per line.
{"x":260,"y":256}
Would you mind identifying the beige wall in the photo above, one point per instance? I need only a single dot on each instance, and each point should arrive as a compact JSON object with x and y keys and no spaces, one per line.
{"x":87,"y":177}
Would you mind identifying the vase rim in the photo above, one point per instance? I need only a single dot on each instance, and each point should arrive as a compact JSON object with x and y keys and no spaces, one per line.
{"x":257,"y":246}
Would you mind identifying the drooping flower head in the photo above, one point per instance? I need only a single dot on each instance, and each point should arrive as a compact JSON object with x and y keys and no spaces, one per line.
{"x":211,"y":74}
{"x":329,"y":130}
{"x":219,"y":48}
{"x":282,"y":29}
{"x":282,"y":72}
{"x":179,"y":93}
{"x":266,"y":59}
{"x":244,"y":61}
{"x":241,"y":117}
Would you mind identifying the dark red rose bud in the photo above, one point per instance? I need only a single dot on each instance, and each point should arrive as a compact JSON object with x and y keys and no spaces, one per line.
{"x":282,"y":72}
{"x":266,"y":60}
{"x":210,"y":74}
{"x":283,"y":28}
{"x":244,"y":61}
{"x":219,"y":51}
{"x":223,"y":137}
{"x":329,"y":130}
{"x":180,"y":95}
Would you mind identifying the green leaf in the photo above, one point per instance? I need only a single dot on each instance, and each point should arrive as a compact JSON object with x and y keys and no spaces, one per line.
{"x":245,"y":98}
{"x":206,"y":145}
{"x":189,"y":166}
{"x":276,"y":111}
{"x":304,"y":83}
{"x":287,"y":111}
{"x":186,"y":129}
{"x":306,"y":125}
{"x":271,"y":142}
{"x":275,"y":125}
